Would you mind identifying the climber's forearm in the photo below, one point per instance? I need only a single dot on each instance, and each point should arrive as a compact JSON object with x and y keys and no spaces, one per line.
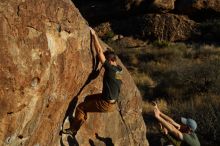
{"x":167,"y":118}
{"x":98,"y":48}
{"x":170,"y":127}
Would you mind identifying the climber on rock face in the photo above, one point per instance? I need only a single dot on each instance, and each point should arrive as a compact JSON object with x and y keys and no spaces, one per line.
{"x":101,"y":102}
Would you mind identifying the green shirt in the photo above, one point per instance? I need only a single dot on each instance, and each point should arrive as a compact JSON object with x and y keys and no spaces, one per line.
{"x":173,"y":140}
{"x":187,"y":140}
{"x":190,"y":140}
{"x":111,"y":81}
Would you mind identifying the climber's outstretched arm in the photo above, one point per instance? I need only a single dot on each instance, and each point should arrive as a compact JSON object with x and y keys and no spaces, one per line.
{"x":171,"y":128}
{"x":166,"y":117}
{"x":98,"y":47}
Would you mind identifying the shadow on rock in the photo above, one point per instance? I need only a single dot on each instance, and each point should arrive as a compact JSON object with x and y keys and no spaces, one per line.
{"x":106,"y":140}
{"x":72,"y":141}
{"x":91,"y":142}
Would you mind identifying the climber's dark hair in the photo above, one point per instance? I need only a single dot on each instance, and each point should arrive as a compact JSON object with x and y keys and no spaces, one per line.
{"x":110,"y":55}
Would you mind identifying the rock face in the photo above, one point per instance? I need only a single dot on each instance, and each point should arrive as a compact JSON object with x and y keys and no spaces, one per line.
{"x":46,"y":59}
{"x":163,"y":5}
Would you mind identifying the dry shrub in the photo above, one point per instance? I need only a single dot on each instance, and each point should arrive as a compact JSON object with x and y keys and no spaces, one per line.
{"x":202,"y":78}
{"x":143,"y":79}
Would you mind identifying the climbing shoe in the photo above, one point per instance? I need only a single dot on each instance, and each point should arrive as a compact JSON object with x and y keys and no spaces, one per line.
{"x":69,"y":131}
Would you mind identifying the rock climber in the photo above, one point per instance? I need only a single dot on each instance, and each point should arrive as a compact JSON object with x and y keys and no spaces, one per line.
{"x":101,"y":102}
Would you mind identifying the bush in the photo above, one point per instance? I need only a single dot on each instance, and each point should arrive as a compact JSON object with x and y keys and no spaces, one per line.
{"x":108,"y":35}
{"x":161,"y":43}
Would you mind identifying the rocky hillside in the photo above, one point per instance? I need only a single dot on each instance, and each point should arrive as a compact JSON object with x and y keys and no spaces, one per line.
{"x":47,"y":63}
{"x":172,"y":20}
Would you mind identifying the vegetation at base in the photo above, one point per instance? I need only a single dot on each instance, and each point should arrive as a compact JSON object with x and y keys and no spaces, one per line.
{"x":161,"y":43}
{"x":108,"y":36}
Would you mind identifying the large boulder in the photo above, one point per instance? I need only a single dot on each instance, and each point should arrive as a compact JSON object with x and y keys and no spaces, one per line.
{"x":45,"y":64}
{"x":168,"y":26}
{"x":161,"y":5}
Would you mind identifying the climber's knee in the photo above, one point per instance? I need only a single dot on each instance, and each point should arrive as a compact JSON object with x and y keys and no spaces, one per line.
{"x":80,"y":107}
{"x":80,"y":112}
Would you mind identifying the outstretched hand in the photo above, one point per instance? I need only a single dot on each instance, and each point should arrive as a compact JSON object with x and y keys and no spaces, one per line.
{"x":92,"y":31}
{"x":156,"y":109}
{"x":155,"y":105}
{"x":156,"y":112}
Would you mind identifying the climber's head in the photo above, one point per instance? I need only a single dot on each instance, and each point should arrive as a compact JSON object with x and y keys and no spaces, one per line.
{"x":111,"y":57}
